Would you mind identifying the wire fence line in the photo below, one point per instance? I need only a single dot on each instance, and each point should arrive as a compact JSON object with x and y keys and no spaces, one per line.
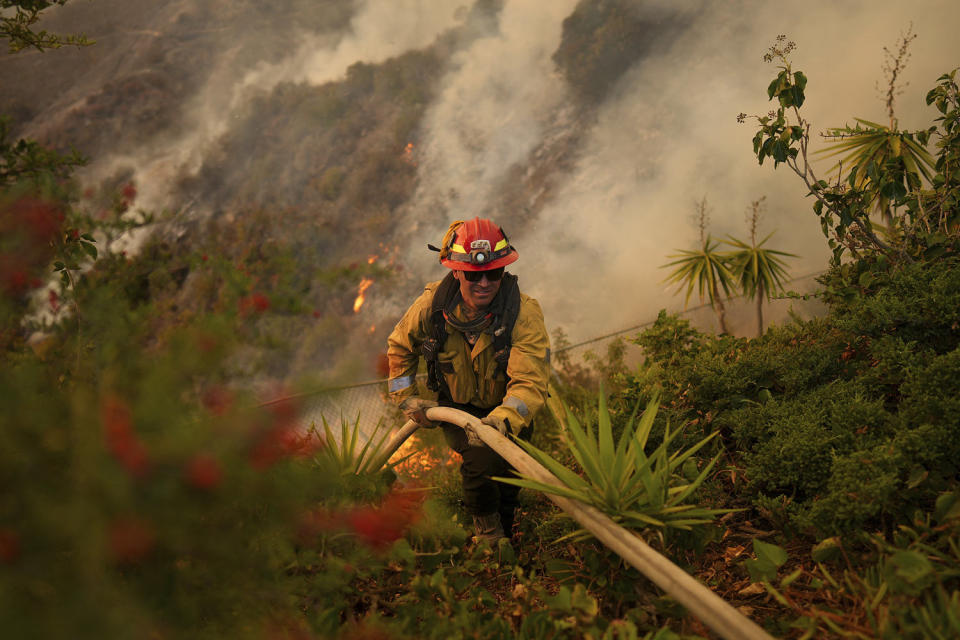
{"x":367,"y":404}
{"x":689,"y":311}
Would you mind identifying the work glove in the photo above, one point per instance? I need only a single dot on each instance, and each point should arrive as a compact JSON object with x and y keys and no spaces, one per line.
{"x":500,"y":424}
{"x":415,"y":409}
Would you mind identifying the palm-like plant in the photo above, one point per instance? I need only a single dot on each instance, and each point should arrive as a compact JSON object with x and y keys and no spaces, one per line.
{"x":884,"y":162}
{"x":635,"y":489}
{"x":708,"y":272}
{"x":758,"y":271}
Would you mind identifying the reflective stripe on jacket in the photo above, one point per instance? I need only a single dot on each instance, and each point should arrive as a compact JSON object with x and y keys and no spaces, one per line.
{"x":469,"y":371}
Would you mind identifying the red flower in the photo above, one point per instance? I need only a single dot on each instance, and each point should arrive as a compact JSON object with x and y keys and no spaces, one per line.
{"x":115,"y":415}
{"x":41,"y":219}
{"x":217,"y":400}
{"x":380,"y":526}
{"x":9,"y":546}
{"x":203,"y":472}
{"x":256,"y":302}
{"x":54,"y":300}
{"x":129,"y":192}
{"x":282,"y":437}
{"x":121,"y":440}
{"x":282,"y":442}
{"x":130,"y":539}
{"x":28,"y":227}
{"x":13,"y":277}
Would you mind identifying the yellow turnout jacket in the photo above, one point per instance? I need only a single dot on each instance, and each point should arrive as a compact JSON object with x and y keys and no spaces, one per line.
{"x":469,"y":371}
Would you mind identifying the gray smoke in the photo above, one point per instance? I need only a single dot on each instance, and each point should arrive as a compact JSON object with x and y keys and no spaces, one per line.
{"x":667,"y":137}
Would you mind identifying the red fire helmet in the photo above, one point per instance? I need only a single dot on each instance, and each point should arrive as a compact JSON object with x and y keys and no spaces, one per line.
{"x":476,"y":245}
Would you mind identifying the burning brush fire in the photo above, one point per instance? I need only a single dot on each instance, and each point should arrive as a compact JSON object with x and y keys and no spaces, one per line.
{"x":423,"y":462}
{"x":361,"y":291}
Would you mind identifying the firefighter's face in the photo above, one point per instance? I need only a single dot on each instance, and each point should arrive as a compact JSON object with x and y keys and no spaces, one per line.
{"x":479,"y":294}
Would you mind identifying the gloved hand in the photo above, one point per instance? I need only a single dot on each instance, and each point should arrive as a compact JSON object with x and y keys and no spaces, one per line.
{"x":415,"y":409}
{"x":500,"y":424}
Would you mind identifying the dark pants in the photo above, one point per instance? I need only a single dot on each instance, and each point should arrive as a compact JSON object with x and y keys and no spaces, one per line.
{"x":482,"y":495}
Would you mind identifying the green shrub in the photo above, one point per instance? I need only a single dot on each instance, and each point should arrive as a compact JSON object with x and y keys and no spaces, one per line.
{"x":840,"y":423}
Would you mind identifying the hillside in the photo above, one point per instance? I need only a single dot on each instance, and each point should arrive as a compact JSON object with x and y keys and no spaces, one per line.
{"x":260,"y":183}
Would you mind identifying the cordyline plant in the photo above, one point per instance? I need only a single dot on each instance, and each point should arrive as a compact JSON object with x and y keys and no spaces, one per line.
{"x":759,"y":272}
{"x":707,"y":271}
{"x":635,"y":489}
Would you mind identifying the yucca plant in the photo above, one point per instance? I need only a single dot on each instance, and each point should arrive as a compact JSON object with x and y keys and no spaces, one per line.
{"x":707,"y":271}
{"x":633,"y":488}
{"x":758,"y":272}
{"x":352,"y":454}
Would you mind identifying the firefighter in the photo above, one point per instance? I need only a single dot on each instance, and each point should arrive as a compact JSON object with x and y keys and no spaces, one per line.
{"x":486,"y":349}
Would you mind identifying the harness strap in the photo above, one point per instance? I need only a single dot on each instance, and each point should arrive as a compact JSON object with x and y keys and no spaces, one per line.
{"x":499,"y":321}
{"x":510,"y":291}
{"x":430,"y":349}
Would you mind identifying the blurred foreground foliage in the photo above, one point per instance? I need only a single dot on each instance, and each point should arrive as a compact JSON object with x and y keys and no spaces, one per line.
{"x":155,"y":496}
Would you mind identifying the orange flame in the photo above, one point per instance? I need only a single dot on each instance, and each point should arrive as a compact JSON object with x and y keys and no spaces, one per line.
{"x":422,"y":463}
{"x":408,"y":154}
{"x":364,"y":285}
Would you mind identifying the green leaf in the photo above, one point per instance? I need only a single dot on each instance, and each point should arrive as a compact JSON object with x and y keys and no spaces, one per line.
{"x":826,"y":550}
{"x":917,"y":476}
{"x":911,"y":566}
{"x":89,"y":249}
{"x":947,"y":507}
{"x":583,"y":449}
{"x":604,"y":434}
{"x":770,"y":557}
{"x":774,"y":553}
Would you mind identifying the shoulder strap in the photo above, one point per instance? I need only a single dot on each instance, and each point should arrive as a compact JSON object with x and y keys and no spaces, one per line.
{"x":437,"y":328}
{"x":503,"y":334}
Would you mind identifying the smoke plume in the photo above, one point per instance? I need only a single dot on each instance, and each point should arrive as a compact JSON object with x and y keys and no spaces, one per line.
{"x":664,"y":139}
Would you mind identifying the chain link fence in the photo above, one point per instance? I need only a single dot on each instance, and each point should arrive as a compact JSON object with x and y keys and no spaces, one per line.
{"x":364,"y":405}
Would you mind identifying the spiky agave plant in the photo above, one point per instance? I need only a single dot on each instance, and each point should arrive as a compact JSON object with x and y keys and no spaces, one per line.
{"x":635,"y":489}
{"x":351,"y":454}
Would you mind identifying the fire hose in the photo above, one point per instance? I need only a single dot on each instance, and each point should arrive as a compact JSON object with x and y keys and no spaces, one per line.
{"x":710,"y":608}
